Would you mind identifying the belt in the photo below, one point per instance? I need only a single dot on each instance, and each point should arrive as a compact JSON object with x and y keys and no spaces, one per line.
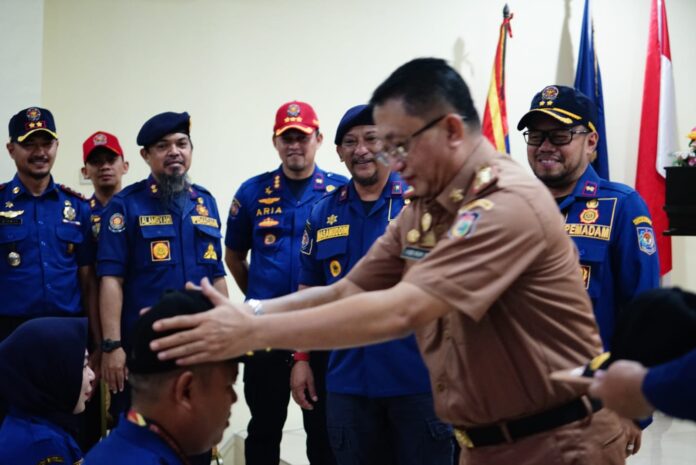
{"x":516,"y":429}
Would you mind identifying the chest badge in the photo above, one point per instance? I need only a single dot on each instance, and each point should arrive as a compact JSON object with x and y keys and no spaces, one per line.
{"x":202,"y":210}
{"x":160,"y":251}
{"x":589,"y":216}
{"x":269,"y":239}
{"x":68,"y":211}
{"x":9,"y":204}
{"x":331,"y":220}
{"x":594,"y":203}
{"x":210,"y":253}
{"x":335,"y":268}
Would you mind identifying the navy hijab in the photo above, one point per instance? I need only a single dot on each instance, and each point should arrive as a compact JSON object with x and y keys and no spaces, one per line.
{"x":41,"y":365}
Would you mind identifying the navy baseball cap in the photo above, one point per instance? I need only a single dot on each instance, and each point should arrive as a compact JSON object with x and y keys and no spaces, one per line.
{"x":359,"y":115}
{"x":140,"y":359}
{"x":160,"y":125}
{"x":565,"y":104}
{"x":29,"y":121}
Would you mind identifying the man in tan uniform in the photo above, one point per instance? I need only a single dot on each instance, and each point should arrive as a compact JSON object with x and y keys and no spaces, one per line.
{"x":478,"y":265}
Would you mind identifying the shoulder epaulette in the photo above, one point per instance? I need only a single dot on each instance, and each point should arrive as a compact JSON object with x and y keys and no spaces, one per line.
{"x":200,"y":188}
{"x":131,"y":188}
{"x":616,"y":186}
{"x":70,"y":191}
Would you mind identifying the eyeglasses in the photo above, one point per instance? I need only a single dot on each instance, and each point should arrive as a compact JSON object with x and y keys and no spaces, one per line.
{"x":554,"y":136}
{"x":400,"y":151}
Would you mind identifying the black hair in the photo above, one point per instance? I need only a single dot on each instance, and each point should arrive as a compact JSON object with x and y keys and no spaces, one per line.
{"x":425,"y":85}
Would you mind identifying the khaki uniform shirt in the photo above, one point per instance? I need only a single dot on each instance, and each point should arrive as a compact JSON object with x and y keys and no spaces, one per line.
{"x":492,"y":246}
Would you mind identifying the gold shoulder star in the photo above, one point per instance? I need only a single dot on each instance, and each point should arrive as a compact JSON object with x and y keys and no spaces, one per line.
{"x":331,"y":219}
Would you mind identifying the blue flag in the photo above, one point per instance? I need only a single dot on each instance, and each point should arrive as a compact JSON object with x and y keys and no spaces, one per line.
{"x":588,"y":80}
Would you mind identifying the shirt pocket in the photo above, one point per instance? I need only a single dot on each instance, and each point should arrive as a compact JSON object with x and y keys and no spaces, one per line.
{"x":593,"y":263}
{"x":156,"y":248}
{"x":332,"y":254}
{"x":208,"y":251}
{"x":69,"y":238}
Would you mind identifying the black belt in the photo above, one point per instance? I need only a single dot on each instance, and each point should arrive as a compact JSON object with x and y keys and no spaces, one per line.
{"x":515,"y":429}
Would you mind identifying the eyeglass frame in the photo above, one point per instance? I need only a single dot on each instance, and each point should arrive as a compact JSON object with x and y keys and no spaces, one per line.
{"x":400,"y":152}
{"x":545,"y":136}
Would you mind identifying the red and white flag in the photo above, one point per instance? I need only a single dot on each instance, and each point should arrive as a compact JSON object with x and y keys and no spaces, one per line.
{"x":658,"y":132}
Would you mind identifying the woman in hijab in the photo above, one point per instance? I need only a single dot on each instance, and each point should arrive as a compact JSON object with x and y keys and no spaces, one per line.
{"x":45,"y":380}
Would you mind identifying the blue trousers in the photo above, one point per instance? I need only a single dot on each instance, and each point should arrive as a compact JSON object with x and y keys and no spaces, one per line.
{"x":401,"y":430}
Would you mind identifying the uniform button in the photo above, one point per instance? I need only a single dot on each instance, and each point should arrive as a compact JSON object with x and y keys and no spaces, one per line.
{"x":49,"y":286}
{"x":43,"y":243}
{"x":40,"y":221}
{"x":45,"y":264}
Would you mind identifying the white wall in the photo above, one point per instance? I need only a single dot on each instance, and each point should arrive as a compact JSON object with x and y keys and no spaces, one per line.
{"x":21,"y":36}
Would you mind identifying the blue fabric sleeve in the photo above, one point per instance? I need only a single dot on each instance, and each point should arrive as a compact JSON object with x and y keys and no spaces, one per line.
{"x":112,"y":253}
{"x":671,"y":387}
{"x":311,"y":273}
{"x":238,"y":236}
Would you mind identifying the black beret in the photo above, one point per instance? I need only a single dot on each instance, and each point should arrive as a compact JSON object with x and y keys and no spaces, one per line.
{"x":140,"y":358}
{"x":160,"y":125}
{"x":360,"y":115}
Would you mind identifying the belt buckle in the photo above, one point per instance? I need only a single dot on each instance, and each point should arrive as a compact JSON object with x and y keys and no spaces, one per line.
{"x":463,"y":439}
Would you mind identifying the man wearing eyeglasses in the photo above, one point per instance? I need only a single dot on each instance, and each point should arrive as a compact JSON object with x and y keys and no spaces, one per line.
{"x":608,"y":221}
{"x":267,"y":217}
{"x":380,"y":387}
{"x":478,"y":266}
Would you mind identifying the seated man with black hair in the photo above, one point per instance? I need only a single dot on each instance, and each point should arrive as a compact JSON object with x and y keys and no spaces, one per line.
{"x":177,"y":412}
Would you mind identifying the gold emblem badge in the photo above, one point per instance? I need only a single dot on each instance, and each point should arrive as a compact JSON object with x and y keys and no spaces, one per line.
{"x":210,"y":253}
{"x":201,"y":210}
{"x":268,"y":190}
{"x":426,"y":221}
{"x":117,"y":223}
{"x":412,"y":236}
{"x":594,"y":203}
{"x":589,"y":216}
{"x":69,"y":213}
{"x":9,"y":204}
{"x":15,"y":190}
{"x":335,"y":268}
{"x":456,"y":195}
{"x":11,"y":213}
{"x":268,"y":223}
{"x":160,"y":251}
{"x":330,"y":188}
{"x":153,"y":188}
{"x":331,"y":219}
{"x":14,"y":259}
{"x":484,"y":176}
{"x":269,"y":239}
{"x":269,"y":200}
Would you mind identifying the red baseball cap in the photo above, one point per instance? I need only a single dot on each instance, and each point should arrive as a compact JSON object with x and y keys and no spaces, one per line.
{"x":100,"y":139}
{"x":295,"y":115}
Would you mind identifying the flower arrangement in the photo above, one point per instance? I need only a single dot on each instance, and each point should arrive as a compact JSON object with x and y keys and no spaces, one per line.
{"x":687,"y":158}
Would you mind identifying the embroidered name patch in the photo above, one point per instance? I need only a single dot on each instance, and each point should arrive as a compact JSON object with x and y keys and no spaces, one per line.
{"x":593,"y":231}
{"x":155,"y":220}
{"x":205,"y":221}
{"x":332,"y":232}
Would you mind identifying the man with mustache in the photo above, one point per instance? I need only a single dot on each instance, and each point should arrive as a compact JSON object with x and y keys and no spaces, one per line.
{"x":157,"y":234}
{"x":381,"y":387}
{"x":47,"y":257}
{"x":608,"y":221}
{"x":267,"y":217}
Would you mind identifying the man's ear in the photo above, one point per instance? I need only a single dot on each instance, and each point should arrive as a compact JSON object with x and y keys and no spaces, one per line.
{"x":83,"y":170}
{"x":126,"y":165}
{"x":456,"y":129}
{"x":146,"y":155}
{"x":183,"y":390}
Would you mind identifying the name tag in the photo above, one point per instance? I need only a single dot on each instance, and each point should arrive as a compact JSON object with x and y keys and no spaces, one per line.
{"x":205,"y":220}
{"x":332,"y":232}
{"x":413,"y":253}
{"x":155,"y":220}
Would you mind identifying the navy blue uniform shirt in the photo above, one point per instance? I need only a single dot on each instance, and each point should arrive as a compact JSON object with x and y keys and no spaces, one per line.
{"x":130,"y":444}
{"x":611,"y":227}
{"x":337,"y":235}
{"x":155,"y":247}
{"x":43,"y":242}
{"x":266,"y":218}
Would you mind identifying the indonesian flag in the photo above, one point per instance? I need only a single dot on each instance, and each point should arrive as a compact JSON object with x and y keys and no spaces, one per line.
{"x":658,"y":135}
{"x":495,"y":126}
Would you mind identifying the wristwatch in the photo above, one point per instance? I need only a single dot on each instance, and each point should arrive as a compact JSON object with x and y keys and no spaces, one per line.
{"x":256,"y":305}
{"x":109,"y":345}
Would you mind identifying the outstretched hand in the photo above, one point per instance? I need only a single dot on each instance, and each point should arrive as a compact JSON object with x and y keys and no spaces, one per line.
{"x":218,"y":334}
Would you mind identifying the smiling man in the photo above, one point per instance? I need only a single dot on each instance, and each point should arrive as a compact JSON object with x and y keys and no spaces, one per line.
{"x":478,"y":266}
{"x":105,"y":165}
{"x":156,"y":234}
{"x":267,"y":217}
